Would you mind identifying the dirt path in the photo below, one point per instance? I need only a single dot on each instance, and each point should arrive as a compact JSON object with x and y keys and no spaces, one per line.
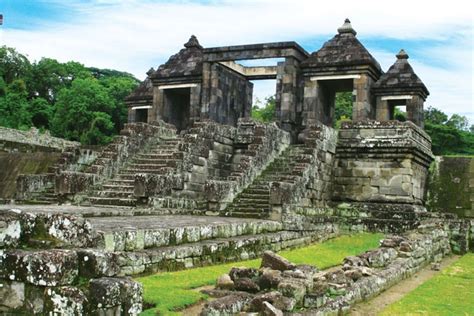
{"x":396,"y":292}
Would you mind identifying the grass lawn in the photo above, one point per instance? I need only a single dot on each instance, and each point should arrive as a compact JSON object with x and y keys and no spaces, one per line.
{"x":171,"y":291}
{"x":449,"y":293}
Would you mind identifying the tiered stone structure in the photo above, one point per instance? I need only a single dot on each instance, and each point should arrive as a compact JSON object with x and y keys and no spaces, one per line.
{"x":240,"y":187}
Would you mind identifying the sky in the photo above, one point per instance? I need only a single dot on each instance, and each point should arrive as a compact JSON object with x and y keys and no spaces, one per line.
{"x":133,"y":35}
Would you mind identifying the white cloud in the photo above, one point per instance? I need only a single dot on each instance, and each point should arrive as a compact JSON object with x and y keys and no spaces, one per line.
{"x":134,"y":35}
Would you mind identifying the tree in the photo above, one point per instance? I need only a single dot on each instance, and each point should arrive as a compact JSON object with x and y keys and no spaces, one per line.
{"x":118,"y":88}
{"x":76,"y":111}
{"x":14,"y":106}
{"x":434,"y":116}
{"x":459,"y":122}
{"x":265,"y":113}
{"x":41,"y":112}
{"x":13,"y":65}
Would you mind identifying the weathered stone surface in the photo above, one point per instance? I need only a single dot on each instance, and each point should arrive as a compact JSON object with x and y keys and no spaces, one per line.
{"x":293,"y":288}
{"x":97,"y":263}
{"x":12,"y":295}
{"x":42,"y":268}
{"x":380,"y":257}
{"x":106,"y":293}
{"x":276,"y":262}
{"x":65,"y":300}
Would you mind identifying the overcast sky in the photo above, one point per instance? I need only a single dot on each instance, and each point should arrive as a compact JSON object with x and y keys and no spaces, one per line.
{"x":132,"y":35}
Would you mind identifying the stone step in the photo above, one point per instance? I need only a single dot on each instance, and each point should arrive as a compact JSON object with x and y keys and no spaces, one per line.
{"x":132,"y":171}
{"x":155,"y":166}
{"x":254,"y":196}
{"x":207,"y":252}
{"x":126,"y":233}
{"x":112,"y":201}
{"x":122,"y":181}
{"x":113,"y":194}
{"x":115,"y":187}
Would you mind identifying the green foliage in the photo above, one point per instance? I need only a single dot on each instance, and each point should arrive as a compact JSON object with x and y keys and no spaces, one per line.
{"x":449,"y":293}
{"x":343,"y":108}
{"x":171,"y":291}
{"x":448,"y":136}
{"x":74,"y":102}
{"x":77,"y":112}
{"x":264,"y":113}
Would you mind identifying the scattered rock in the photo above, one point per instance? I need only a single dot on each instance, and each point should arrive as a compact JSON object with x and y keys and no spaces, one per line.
{"x":392,"y":241}
{"x":228,"y":305}
{"x":236,"y":273}
{"x":246,"y":285}
{"x":224,"y":282}
{"x":354,"y":274}
{"x":270,"y":310}
{"x":269,"y":279}
{"x":276,"y":262}
{"x":292,"y":288}
{"x":435,"y":266}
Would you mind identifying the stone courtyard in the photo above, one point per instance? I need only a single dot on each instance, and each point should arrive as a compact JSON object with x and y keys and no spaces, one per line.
{"x":192,"y":180}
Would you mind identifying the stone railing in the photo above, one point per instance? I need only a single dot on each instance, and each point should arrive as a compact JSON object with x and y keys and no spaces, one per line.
{"x":255,"y":146}
{"x":312,"y":185}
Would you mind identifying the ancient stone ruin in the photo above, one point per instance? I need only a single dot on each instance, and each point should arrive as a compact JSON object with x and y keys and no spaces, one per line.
{"x":193,"y":180}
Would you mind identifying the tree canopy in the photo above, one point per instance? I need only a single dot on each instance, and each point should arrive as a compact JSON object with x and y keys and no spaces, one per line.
{"x":72,"y":101}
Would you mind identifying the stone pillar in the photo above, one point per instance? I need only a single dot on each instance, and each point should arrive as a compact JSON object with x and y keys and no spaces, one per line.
{"x":195,"y":103}
{"x":205,"y":89}
{"x":156,"y":112}
{"x":131,"y":115}
{"x":362,"y":107}
{"x":288,"y":93}
{"x":415,"y":110}
{"x":382,"y":110}
{"x":310,"y":100}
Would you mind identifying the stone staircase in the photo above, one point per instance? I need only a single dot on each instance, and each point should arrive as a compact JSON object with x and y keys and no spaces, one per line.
{"x":160,"y":157}
{"x":254,"y":201}
{"x":44,"y":197}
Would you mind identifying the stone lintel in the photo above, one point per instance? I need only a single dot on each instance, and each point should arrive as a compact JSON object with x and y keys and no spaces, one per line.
{"x":255,"y":51}
{"x":141,"y":107}
{"x":397,"y":97}
{"x":177,"y":86}
{"x":334,"y":77}
{"x":259,"y":72}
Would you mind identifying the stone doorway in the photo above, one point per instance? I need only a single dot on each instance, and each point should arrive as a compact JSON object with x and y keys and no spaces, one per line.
{"x":141,"y":115}
{"x":177,"y":104}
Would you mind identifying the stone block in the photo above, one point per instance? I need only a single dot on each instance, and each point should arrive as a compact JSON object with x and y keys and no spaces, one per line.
{"x":97,"y":263}
{"x":65,"y":300}
{"x":276,"y":262}
{"x":42,"y":268}
{"x":116,"y":292}
{"x":12,"y":295}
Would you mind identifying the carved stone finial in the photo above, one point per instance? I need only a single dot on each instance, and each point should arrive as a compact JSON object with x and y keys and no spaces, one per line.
{"x":346,"y":28}
{"x":150,"y":71}
{"x":193,"y":42}
{"x":402,"y":54}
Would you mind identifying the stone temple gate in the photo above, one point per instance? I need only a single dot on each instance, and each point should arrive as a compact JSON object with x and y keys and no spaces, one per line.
{"x":208,"y":83}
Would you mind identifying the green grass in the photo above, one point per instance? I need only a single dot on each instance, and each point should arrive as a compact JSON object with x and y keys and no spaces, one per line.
{"x":171,"y":291}
{"x":449,"y":293}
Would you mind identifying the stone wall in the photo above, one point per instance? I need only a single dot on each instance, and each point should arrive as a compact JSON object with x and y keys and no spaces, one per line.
{"x":382,"y":162}
{"x":13,"y":164}
{"x":451,"y":186}
{"x":49,"y":277}
{"x":231,"y":95}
